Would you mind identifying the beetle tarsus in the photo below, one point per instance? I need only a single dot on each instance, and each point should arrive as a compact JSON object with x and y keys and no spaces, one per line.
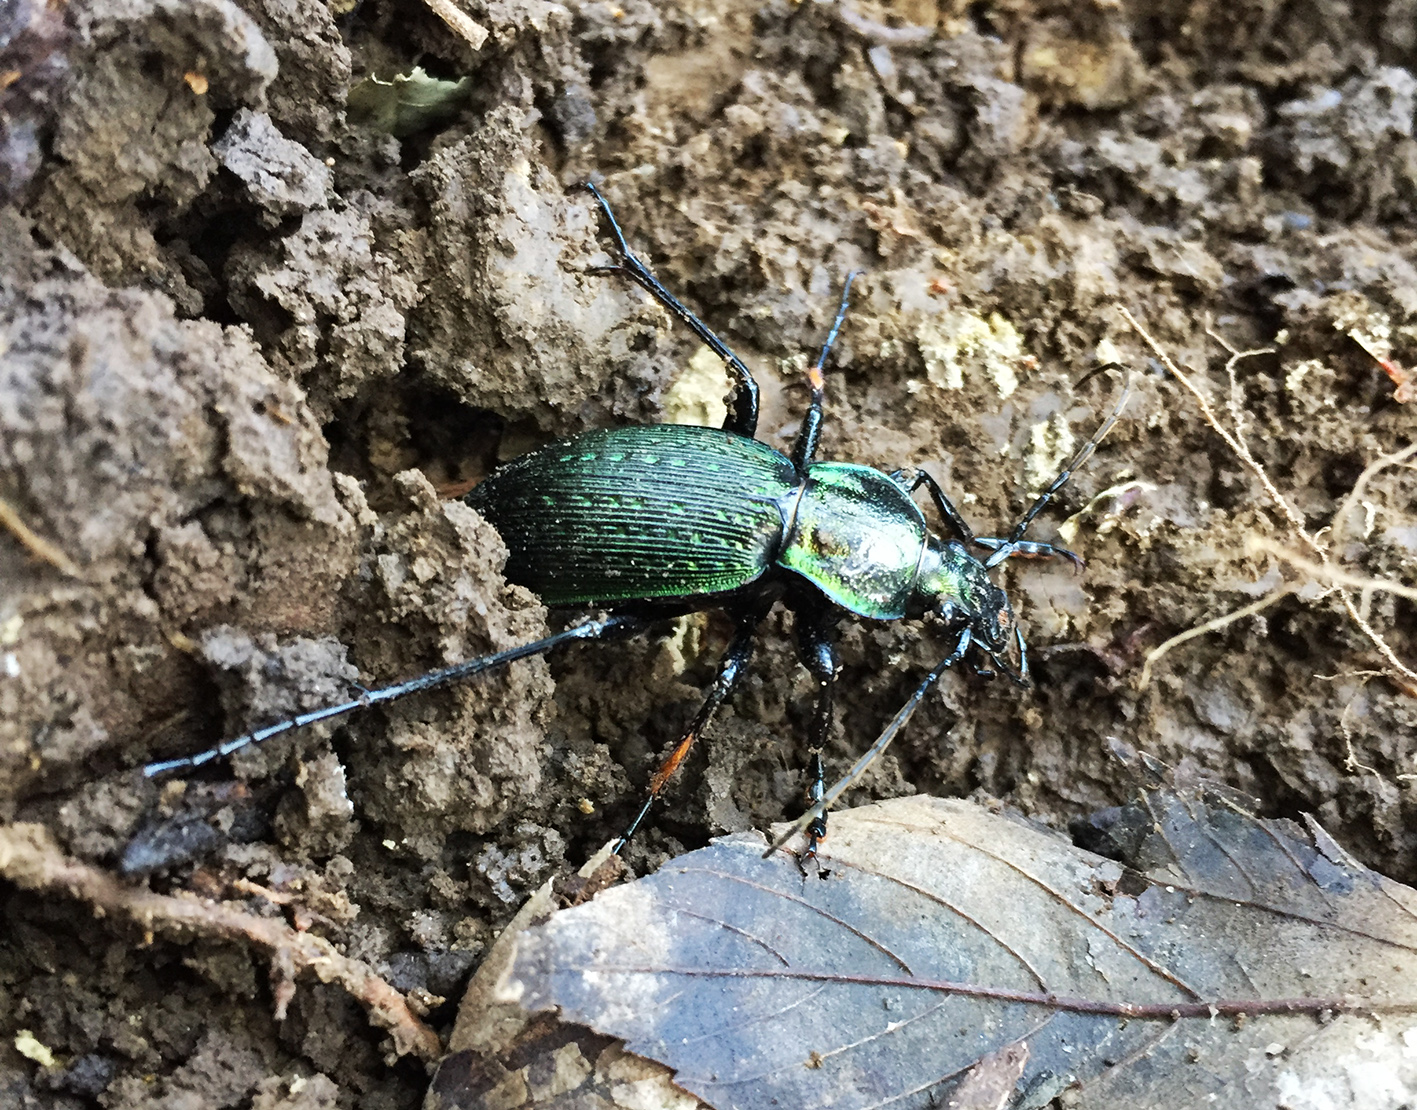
{"x":868,"y":757}
{"x":817,"y":829}
{"x":816,"y":630}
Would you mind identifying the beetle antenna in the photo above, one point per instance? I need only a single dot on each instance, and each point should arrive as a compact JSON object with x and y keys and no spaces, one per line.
{"x":1011,"y":545}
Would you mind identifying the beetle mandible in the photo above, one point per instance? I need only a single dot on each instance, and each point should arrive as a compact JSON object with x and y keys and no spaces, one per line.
{"x":649,"y":522}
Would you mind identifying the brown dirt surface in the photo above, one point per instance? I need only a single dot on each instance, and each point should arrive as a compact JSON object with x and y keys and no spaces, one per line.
{"x":250,"y":332}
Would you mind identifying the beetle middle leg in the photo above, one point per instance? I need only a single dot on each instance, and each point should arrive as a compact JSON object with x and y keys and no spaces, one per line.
{"x":730,"y":669}
{"x":742,"y":415}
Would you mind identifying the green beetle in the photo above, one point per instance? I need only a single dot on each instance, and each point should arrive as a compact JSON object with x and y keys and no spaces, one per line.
{"x":654,"y":521}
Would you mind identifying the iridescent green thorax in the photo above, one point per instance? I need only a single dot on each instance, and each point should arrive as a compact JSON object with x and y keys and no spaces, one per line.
{"x":857,"y":536}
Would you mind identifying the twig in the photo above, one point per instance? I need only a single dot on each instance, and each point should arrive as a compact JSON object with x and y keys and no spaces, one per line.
{"x":30,"y":858}
{"x":459,"y":22}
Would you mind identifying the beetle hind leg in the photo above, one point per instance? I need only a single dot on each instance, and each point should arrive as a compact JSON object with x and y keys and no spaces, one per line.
{"x":596,"y":629}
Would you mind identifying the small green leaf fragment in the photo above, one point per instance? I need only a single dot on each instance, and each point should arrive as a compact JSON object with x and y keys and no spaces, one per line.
{"x":410,"y":102}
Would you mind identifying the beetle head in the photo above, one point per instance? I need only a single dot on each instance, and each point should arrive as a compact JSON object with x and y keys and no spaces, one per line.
{"x":994,"y":622}
{"x":956,"y":587}
{"x":997,"y":633}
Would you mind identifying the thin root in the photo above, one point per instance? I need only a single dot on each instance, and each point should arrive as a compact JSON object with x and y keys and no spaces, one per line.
{"x":1213,"y":625}
{"x":459,"y":22}
{"x":880,"y":34}
{"x":30,"y":858}
{"x":34,"y":543}
{"x":1333,"y":576}
{"x":1345,"y":511}
{"x":1401,"y":674}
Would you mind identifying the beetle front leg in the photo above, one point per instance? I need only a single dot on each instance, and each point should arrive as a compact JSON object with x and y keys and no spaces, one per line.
{"x":730,"y":670}
{"x":818,"y":652}
{"x":963,"y":532}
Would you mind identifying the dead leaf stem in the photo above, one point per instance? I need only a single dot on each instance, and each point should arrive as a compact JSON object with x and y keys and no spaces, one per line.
{"x":1142,"y":1011}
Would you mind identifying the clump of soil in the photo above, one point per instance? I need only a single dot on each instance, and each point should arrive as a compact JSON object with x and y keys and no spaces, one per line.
{"x":254,"y":334}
